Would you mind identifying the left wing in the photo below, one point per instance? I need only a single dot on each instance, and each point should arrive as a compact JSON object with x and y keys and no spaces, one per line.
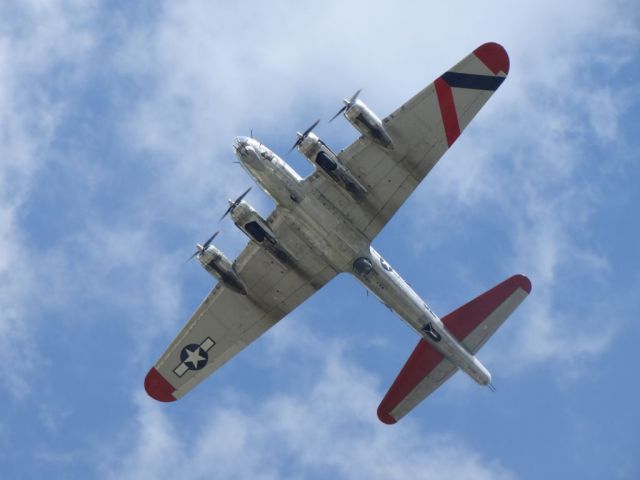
{"x":226,"y":322}
{"x":422,"y":130}
{"x":472,"y":324}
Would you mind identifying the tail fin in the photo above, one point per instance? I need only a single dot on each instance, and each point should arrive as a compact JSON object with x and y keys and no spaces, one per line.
{"x":472,"y":324}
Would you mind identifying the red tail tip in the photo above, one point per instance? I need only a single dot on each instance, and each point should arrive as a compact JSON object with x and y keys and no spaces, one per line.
{"x":523,"y":282}
{"x":158,"y":387}
{"x":494,"y":56}
{"x":384,"y":417}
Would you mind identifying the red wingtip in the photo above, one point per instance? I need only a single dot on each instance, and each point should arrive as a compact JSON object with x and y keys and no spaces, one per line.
{"x":523,"y":282}
{"x":158,"y":387}
{"x":494,"y":56}
{"x":385,"y":417}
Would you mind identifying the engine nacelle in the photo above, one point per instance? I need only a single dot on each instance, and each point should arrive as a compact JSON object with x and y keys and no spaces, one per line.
{"x":317,"y":152}
{"x":217,"y":264}
{"x":257,"y":229}
{"x":368,"y":123}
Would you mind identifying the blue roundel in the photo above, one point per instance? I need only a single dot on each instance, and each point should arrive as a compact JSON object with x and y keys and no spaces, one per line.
{"x":194,"y":357}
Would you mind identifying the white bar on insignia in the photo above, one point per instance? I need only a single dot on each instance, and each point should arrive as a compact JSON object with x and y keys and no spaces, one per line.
{"x":207,"y":344}
{"x":180,"y":369}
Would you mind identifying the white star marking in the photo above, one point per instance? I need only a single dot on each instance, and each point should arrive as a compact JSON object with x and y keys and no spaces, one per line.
{"x":194,"y":357}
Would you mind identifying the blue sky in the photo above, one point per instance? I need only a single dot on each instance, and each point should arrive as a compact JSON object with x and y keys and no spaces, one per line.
{"x":116,"y":124}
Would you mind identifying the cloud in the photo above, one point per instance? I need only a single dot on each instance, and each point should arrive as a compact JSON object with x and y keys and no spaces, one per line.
{"x":212,"y":72}
{"x":531,"y":159}
{"x":38,"y":40}
{"x":322,"y":424}
{"x":190,"y":77}
{"x":205,"y":73}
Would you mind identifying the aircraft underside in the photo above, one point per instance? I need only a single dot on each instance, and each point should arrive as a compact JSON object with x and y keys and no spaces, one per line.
{"x":324,"y":225}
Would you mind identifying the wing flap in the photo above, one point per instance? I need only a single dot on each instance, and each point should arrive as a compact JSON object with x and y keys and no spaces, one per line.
{"x":472,"y":324}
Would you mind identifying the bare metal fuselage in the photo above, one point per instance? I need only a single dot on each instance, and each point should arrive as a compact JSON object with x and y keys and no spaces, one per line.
{"x":346,"y":249}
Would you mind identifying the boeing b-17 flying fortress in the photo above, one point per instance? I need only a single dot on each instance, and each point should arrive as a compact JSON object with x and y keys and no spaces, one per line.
{"x":324,"y":224}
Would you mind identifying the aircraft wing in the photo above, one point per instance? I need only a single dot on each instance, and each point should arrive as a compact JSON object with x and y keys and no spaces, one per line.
{"x":472,"y":324}
{"x":226,"y":322}
{"x":422,"y":130}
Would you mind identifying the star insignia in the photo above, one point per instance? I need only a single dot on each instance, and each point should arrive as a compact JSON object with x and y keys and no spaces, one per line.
{"x":194,"y":357}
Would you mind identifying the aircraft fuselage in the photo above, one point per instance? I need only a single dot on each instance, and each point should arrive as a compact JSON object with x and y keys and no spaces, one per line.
{"x":347,"y":249}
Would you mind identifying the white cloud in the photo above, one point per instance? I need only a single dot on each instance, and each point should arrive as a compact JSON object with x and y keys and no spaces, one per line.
{"x":603,"y":113}
{"x":212,"y":72}
{"x":322,"y":425}
{"x":206,"y":72}
{"x":525,"y":161}
{"x":37,"y":40}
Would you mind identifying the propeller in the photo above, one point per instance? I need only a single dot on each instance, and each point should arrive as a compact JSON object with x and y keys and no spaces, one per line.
{"x":347,"y":104}
{"x":203,"y":247}
{"x":251,"y":136}
{"x":235,"y":203}
{"x":302,"y":136}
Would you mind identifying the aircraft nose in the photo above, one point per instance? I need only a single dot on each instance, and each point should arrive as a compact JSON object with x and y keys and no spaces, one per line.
{"x":240,"y":142}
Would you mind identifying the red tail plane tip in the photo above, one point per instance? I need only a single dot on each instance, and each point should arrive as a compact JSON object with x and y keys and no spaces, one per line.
{"x":158,"y":387}
{"x":494,"y":56}
{"x":384,"y":417}
{"x":523,"y":282}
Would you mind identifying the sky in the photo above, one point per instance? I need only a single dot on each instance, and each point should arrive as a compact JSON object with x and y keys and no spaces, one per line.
{"x":116,"y":122}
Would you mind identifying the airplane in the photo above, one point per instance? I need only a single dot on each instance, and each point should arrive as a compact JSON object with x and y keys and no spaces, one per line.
{"x":324,"y":225}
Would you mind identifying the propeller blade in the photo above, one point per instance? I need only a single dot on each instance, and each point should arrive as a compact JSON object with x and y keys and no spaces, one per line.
{"x":355,"y":95}
{"x":347,"y":104}
{"x":231,"y":207}
{"x":239,"y":199}
{"x":297,"y":142}
{"x":337,"y":114}
{"x":302,"y":136}
{"x":199,"y":249}
{"x":308,"y":130}
{"x":191,"y":257}
{"x":208,"y":242}
{"x":235,"y":203}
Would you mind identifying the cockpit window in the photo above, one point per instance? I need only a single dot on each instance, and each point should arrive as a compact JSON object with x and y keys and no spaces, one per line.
{"x":267,"y":155}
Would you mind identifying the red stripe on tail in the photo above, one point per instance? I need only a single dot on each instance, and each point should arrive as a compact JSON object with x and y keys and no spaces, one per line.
{"x":463,"y":320}
{"x":447,"y":110}
{"x":423,"y":359}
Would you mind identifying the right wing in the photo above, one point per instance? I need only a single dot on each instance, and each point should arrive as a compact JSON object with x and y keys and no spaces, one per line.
{"x":226,"y":322}
{"x":472,"y":324}
{"x":422,"y":130}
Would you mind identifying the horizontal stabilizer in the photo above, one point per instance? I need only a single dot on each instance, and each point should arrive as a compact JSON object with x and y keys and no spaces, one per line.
{"x":472,"y":324}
